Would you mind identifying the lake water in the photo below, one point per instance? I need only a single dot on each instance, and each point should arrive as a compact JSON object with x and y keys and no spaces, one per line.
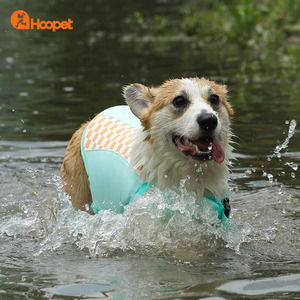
{"x":52,"y":82}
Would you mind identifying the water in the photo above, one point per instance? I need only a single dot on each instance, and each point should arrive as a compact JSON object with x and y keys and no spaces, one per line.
{"x":51,"y":83}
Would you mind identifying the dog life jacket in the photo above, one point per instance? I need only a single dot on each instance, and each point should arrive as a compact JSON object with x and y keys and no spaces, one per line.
{"x":105,"y":148}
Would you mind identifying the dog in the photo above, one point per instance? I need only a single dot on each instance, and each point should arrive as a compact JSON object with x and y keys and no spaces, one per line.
{"x":180,"y":129}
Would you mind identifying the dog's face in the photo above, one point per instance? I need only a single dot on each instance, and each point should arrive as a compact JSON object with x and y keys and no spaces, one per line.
{"x":190,"y":116}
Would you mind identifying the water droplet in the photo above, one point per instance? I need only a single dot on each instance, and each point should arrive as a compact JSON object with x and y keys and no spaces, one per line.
{"x":270,"y":177}
{"x":28,"y":169}
{"x":292,"y":165}
{"x":68,"y":89}
{"x":9,"y":59}
{"x":199,"y":169}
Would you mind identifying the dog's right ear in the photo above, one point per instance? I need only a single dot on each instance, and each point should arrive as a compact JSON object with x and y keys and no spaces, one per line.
{"x":138,"y":97}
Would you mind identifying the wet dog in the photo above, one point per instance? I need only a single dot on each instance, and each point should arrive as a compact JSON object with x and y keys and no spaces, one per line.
{"x":168,"y":133}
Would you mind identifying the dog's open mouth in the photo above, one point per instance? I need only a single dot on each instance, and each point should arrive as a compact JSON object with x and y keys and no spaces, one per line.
{"x":201,"y":149}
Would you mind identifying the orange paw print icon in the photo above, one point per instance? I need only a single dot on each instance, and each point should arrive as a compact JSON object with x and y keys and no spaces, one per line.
{"x":20,"y":19}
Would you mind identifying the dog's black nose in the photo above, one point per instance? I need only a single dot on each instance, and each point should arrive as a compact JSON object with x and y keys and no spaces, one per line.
{"x":207,"y":122}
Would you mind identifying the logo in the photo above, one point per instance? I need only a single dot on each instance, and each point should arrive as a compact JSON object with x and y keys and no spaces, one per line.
{"x":20,"y":20}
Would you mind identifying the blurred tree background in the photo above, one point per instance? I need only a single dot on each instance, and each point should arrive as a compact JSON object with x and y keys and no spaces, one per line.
{"x":264,"y":32}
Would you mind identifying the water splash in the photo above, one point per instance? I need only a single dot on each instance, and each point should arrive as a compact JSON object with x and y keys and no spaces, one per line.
{"x":166,"y":223}
{"x":277,"y":153}
{"x":284,"y":145}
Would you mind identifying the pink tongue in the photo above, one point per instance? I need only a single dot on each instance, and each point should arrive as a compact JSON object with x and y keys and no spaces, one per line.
{"x":217,"y":152}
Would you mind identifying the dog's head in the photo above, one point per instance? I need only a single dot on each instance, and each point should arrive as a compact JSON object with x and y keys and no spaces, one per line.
{"x":189,"y":115}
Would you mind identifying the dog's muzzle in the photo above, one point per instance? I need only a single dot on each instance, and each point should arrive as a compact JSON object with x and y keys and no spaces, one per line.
{"x":202,"y":149}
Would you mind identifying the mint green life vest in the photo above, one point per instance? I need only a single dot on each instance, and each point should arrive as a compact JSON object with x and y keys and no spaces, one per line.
{"x":105,"y":149}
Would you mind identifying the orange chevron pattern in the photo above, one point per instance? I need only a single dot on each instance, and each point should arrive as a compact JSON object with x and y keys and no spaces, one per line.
{"x":105,"y":132}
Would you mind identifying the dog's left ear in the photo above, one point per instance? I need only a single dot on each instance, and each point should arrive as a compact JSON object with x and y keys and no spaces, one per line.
{"x":138,"y":97}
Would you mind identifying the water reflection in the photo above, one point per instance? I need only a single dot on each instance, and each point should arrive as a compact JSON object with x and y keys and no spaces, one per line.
{"x":289,"y":283}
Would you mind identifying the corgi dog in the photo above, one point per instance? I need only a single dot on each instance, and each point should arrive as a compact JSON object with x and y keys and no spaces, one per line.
{"x":180,"y":129}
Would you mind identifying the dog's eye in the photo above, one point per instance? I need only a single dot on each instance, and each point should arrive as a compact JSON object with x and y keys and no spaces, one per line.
{"x":180,"y":101}
{"x":214,"y":99}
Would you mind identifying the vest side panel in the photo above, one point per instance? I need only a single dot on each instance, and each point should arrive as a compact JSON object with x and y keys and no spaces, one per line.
{"x":112,"y":183}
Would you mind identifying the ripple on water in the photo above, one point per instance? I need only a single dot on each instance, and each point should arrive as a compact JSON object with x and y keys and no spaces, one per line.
{"x":288,"y":283}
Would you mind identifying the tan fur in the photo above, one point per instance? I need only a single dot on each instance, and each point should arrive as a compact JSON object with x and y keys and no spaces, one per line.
{"x":73,"y":173}
{"x":221,"y":90}
{"x":163,"y":94}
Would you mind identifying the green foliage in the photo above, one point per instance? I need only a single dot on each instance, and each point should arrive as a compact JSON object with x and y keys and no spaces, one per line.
{"x":263,"y":31}
{"x":241,"y":22}
{"x":157,"y":26}
{"x":201,"y":21}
